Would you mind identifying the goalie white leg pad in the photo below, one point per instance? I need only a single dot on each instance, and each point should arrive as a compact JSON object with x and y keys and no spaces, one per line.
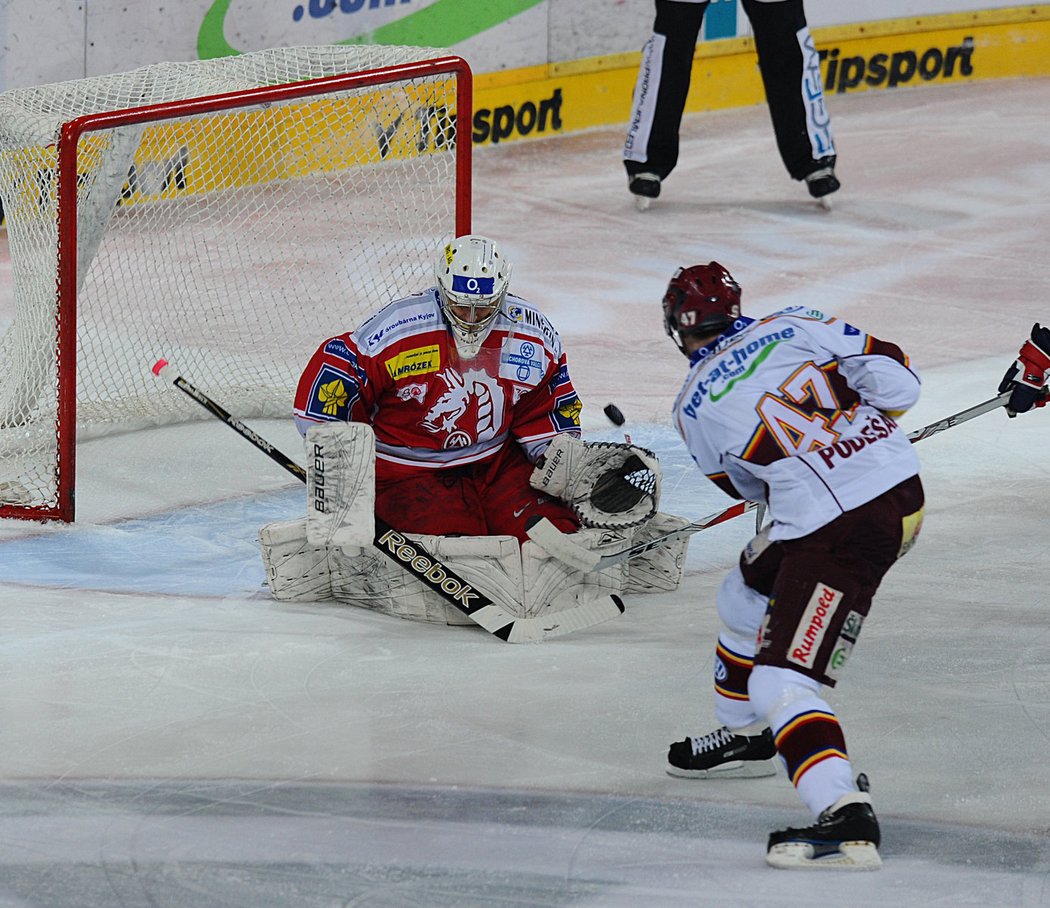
{"x":295,"y":570}
{"x":368,"y":579}
{"x":659,"y":569}
{"x":551,"y":586}
{"x":340,"y":484}
{"x":491,"y":563}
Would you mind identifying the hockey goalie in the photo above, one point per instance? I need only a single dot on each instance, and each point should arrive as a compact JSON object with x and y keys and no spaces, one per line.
{"x":450,"y":414}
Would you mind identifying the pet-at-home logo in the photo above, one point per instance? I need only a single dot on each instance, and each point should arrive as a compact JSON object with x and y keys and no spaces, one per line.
{"x":441,"y":23}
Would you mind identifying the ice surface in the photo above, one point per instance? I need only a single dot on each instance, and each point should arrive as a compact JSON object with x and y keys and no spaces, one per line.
{"x":171,"y":736}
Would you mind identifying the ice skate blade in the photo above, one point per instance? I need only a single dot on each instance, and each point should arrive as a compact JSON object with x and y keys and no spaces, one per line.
{"x":824,"y":203}
{"x":805,"y":856}
{"x":738,"y":769}
{"x":642,"y":202}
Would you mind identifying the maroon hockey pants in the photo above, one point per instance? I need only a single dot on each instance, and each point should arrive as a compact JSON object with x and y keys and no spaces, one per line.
{"x":820,"y":586}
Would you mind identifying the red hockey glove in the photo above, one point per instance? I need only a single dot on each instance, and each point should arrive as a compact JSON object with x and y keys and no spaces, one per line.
{"x":1027,"y":377}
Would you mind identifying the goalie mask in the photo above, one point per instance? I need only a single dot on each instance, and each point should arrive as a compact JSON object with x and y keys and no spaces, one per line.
{"x":700,"y":300}
{"x":472,"y":276}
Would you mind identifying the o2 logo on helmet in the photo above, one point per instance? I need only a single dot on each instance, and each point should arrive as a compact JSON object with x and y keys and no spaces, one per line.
{"x":476,"y":286}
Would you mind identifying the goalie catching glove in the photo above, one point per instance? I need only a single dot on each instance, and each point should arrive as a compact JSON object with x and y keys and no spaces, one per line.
{"x":607,"y":485}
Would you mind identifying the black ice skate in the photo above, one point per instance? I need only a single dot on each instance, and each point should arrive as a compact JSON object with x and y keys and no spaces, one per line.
{"x":645,"y":187}
{"x":723,"y":755}
{"x":821,"y":183}
{"x":845,"y":837}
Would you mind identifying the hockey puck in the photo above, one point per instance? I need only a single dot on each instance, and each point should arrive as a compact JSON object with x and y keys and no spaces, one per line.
{"x":614,"y":414}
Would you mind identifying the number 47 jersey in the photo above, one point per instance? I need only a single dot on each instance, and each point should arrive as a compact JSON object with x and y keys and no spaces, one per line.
{"x":798,"y":410}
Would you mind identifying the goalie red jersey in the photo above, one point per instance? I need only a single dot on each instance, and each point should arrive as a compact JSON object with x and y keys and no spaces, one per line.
{"x":431,"y":408}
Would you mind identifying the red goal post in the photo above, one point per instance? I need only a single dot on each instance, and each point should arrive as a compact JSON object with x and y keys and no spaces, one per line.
{"x":228,"y":230}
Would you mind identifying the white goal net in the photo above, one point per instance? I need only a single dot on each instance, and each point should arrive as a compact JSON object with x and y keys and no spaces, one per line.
{"x":226,"y":215}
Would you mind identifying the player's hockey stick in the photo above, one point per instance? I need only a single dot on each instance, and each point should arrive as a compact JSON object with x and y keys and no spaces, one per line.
{"x":562,"y":546}
{"x":415,"y":559}
{"x":949,"y":421}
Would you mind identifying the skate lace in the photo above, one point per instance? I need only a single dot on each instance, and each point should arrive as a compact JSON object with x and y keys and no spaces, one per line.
{"x":712,"y":741}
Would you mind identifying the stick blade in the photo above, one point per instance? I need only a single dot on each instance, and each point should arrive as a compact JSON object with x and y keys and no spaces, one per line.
{"x":534,"y":630}
{"x":561,"y":546}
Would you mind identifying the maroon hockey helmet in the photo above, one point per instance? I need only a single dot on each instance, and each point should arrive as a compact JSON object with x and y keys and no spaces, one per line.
{"x":700,"y":300}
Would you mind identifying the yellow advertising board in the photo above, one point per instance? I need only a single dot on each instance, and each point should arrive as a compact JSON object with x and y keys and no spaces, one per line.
{"x":179,"y":157}
{"x":895,"y":54}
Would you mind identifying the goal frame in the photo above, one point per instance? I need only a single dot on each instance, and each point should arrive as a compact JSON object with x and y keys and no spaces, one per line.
{"x":67,"y":147}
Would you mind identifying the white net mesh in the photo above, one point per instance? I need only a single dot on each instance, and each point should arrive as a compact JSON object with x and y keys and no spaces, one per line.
{"x":230,"y":243}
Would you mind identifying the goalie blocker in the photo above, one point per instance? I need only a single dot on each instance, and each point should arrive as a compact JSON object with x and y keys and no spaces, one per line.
{"x":329,"y":553}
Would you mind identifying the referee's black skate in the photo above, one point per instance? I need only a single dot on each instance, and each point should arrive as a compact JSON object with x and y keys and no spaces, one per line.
{"x":644,"y":187}
{"x":723,"y":755}
{"x":822,"y":182}
{"x":845,"y":837}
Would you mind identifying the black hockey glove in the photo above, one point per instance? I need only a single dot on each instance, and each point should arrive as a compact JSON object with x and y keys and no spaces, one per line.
{"x":1026,"y":378}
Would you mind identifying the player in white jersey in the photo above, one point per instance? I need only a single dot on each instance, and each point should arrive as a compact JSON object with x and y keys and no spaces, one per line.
{"x":797,"y":411}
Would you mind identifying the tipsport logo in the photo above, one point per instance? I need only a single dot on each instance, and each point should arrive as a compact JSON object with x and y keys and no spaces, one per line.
{"x":901,"y":67}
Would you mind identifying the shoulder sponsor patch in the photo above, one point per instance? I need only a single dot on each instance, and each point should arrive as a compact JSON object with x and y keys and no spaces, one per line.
{"x":337,"y":347}
{"x":560,"y":378}
{"x":566,"y":414}
{"x":333,"y":394}
{"x":414,"y":362}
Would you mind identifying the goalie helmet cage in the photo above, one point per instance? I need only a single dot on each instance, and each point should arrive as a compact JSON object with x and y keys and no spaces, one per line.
{"x":227,"y":214}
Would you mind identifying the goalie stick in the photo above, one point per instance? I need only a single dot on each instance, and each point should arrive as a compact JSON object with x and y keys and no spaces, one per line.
{"x":561,"y":545}
{"x":420,"y":563}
